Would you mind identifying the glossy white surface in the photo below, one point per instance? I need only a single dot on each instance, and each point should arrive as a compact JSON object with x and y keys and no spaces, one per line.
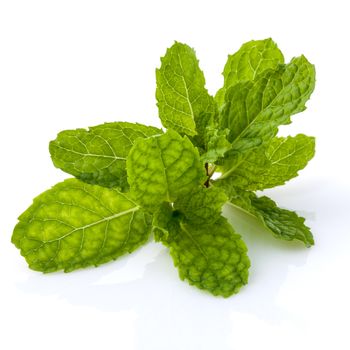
{"x":69,"y":64}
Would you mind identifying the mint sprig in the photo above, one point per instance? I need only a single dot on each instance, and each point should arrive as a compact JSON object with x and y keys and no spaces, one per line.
{"x":132,"y":180}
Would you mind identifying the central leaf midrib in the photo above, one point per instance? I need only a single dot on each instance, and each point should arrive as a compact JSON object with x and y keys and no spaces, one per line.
{"x":186,"y":89}
{"x":194,"y":241}
{"x":108,"y":218}
{"x":90,"y":154}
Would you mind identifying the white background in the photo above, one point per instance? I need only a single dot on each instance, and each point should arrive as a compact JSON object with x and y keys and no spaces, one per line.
{"x":69,"y":64}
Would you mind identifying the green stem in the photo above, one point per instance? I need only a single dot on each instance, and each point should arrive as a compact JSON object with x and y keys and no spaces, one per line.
{"x":210,"y":173}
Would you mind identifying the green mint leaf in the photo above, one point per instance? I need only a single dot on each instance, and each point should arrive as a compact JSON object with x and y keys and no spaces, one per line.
{"x":211,"y":256}
{"x":207,"y":120}
{"x":253,"y":58}
{"x":74,"y":225}
{"x":254,"y":110}
{"x":271,"y":165}
{"x":163,"y":168}
{"x":181,"y":94}
{"x":163,"y":218}
{"x":283,"y":224}
{"x":216,"y":144}
{"x":210,"y":139}
{"x":98,"y":155}
{"x":202,"y":205}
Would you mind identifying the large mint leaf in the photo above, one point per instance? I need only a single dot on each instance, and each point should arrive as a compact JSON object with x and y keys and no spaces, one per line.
{"x":210,"y":256}
{"x":254,"y":109}
{"x":282,"y":223}
{"x":98,"y":155}
{"x":253,"y":58}
{"x":163,"y":168}
{"x":181,"y":94}
{"x":271,"y":165}
{"x":202,"y":205}
{"x":74,"y":225}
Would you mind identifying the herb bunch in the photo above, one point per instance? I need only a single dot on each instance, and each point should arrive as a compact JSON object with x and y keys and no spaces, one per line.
{"x":133,"y":180}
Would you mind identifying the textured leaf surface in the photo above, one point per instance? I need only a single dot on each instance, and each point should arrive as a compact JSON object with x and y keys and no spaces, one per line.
{"x":284,"y":224}
{"x":206,"y":120}
{"x":202,"y":205}
{"x":210,"y":257}
{"x":254,"y":110}
{"x":163,"y":168}
{"x":98,"y":155}
{"x":181,"y":94}
{"x":210,"y":139}
{"x":253,"y":58}
{"x":216,"y":144}
{"x":74,"y":225}
{"x":272,"y":165}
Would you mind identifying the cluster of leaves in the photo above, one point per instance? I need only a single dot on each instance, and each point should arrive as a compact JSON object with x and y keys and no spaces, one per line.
{"x":132,"y":180}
